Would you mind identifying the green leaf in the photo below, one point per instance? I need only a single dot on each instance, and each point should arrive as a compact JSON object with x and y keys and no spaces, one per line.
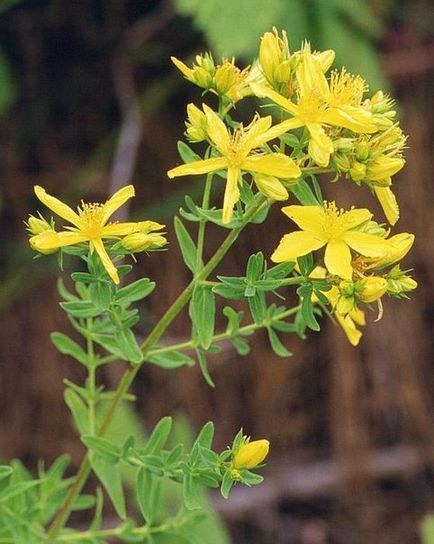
{"x":148,"y":495}
{"x":280,"y":271}
{"x":67,"y":346}
{"x":186,"y":153}
{"x":81,"y":308}
{"x":204,"y":368}
{"x":186,"y":244}
{"x":127,"y":343}
{"x":255,"y":266}
{"x":5,"y":470}
{"x":78,"y":410}
{"x":304,"y":194}
{"x":17,"y":489}
{"x":192,"y":492}
{"x":258,"y":307}
{"x":137,"y":290}
{"x":241,"y":346}
{"x":170,"y":360}
{"x":305,"y":291}
{"x":205,"y":436}
{"x":202,"y":313}
{"x":100,"y":294}
{"x":159,"y":436}
{"x":83,"y":277}
{"x":110,"y":477}
{"x":277,"y":346}
{"x":234,"y":319}
{"x":427,"y":530}
{"x":227,"y":484}
{"x":102,"y":447}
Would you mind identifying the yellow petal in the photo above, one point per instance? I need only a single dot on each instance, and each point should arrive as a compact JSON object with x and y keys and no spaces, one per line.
{"x":274,"y":164}
{"x":295,"y":244}
{"x":388,"y":202}
{"x":325,"y":58}
{"x":354,"y":118}
{"x":265,"y":92}
{"x":279,"y":129}
{"x":198,"y":167}
{"x":310,"y":218}
{"x":367,"y":244}
{"x":119,"y":229}
{"x":354,"y":218}
{"x":217,"y":130}
{"x":57,"y":206}
{"x":349,"y":327}
{"x":320,"y":145}
{"x":188,"y":72}
{"x":116,"y":201}
{"x":255,"y":135}
{"x":310,"y":76}
{"x":338,"y":259}
{"x":232,"y":194}
{"x":106,"y":261}
{"x":384,"y":167}
{"x":53,"y":240}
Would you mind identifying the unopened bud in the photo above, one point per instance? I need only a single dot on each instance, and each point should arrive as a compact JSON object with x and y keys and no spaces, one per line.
{"x":251,"y":454}
{"x":358,"y":171}
{"x":372,"y":289}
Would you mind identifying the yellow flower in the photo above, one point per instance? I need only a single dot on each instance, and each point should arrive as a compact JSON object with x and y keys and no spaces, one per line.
{"x":274,"y":58}
{"x":372,"y":288}
{"x":90,"y":224}
{"x":251,"y":454}
{"x":238,"y":155}
{"x":334,"y":229}
{"x":201,"y":74}
{"x":320,"y":105}
{"x":388,"y":202}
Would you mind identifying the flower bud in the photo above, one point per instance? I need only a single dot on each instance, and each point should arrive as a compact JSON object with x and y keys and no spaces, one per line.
{"x":140,"y":241}
{"x":342,"y":162}
{"x":271,"y":187}
{"x":373,"y":288}
{"x":384,"y":167}
{"x":343,"y":144}
{"x":36,"y":225}
{"x":362,"y":151}
{"x":358,"y":171}
{"x":251,"y":454}
{"x":196,"y":124}
{"x":401,"y":285}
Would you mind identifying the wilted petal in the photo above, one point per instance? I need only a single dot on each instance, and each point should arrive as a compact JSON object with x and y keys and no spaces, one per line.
{"x":295,"y":244}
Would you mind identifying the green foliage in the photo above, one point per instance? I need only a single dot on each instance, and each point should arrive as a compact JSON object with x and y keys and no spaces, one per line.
{"x":349,"y":27}
{"x":427,"y":530}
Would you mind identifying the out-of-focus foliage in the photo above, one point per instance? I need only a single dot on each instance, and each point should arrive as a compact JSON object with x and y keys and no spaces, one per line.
{"x":427,"y":530}
{"x":7,"y":84}
{"x":348,"y":26}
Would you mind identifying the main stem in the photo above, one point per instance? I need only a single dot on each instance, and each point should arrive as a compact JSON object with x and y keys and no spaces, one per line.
{"x":132,"y":370}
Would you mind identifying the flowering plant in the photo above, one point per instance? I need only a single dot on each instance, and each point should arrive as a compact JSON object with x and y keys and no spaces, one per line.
{"x":339,"y":261}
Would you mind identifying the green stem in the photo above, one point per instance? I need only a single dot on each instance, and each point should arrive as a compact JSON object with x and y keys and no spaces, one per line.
{"x":91,"y":377}
{"x":132,"y":370}
{"x":242,"y":331}
{"x":202,"y":223}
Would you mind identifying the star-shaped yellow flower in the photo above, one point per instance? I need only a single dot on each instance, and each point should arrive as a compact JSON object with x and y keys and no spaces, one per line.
{"x":334,"y":229}
{"x":90,"y":224}
{"x":238,"y":155}
{"x":321,"y":104}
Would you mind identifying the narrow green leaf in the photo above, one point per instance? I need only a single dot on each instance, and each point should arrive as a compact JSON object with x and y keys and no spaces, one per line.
{"x":159,"y":436}
{"x":186,"y":244}
{"x":110,"y":477}
{"x":137,"y":290}
{"x":241,"y":346}
{"x":100,"y":294}
{"x":255,"y":266}
{"x":227,"y":484}
{"x":81,"y":308}
{"x":78,"y":410}
{"x":304,"y":194}
{"x":170,"y":360}
{"x":127,"y":344}
{"x":186,"y":153}
{"x":202,"y":313}
{"x":148,"y":495}
{"x":204,"y":368}
{"x":102,"y":447}
{"x":258,"y":307}
{"x":5,"y":470}
{"x":67,"y":346}
{"x":205,"y":436}
{"x":277,"y":346}
{"x":192,"y":492}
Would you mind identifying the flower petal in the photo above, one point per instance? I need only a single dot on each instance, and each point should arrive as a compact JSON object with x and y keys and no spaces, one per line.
{"x":50,"y":239}
{"x":338,"y":259}
{"x":349,"y":327}
{"x":57,"y":206}
{"x":354,"y":218}
{"x":198,"y":167}
{"x":295,"y":244}
{"x":274,"y":164}
{"x":310,"y":75}
{"x":119,"y":229}
{"x":388,"y":202}
{"x":279,"y":129}
{"x":254,"y":137}
{"x":188,"y":72}
{"x":367,"y":244}
{"x":265,"y":92}
{"x":105,"y":259}
{"x":232,"y":194}
{"x":217,"y":130}
{"x":320,"y":145}
{"x":116,"y":201}
{"x":310,"y":218}
{"x":352,"y":117}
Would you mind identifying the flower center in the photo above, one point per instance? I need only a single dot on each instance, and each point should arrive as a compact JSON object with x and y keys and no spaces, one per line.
{"x":310,"y":106}
{"x":346,"y":88}
{"x":92,"y":216}
{"x":334,"y":221}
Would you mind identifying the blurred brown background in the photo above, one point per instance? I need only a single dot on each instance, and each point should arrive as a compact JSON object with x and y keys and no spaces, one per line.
{"x":89,"y":101}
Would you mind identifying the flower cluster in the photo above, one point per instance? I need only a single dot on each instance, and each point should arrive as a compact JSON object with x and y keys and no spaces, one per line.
{"x":327,"y":123}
